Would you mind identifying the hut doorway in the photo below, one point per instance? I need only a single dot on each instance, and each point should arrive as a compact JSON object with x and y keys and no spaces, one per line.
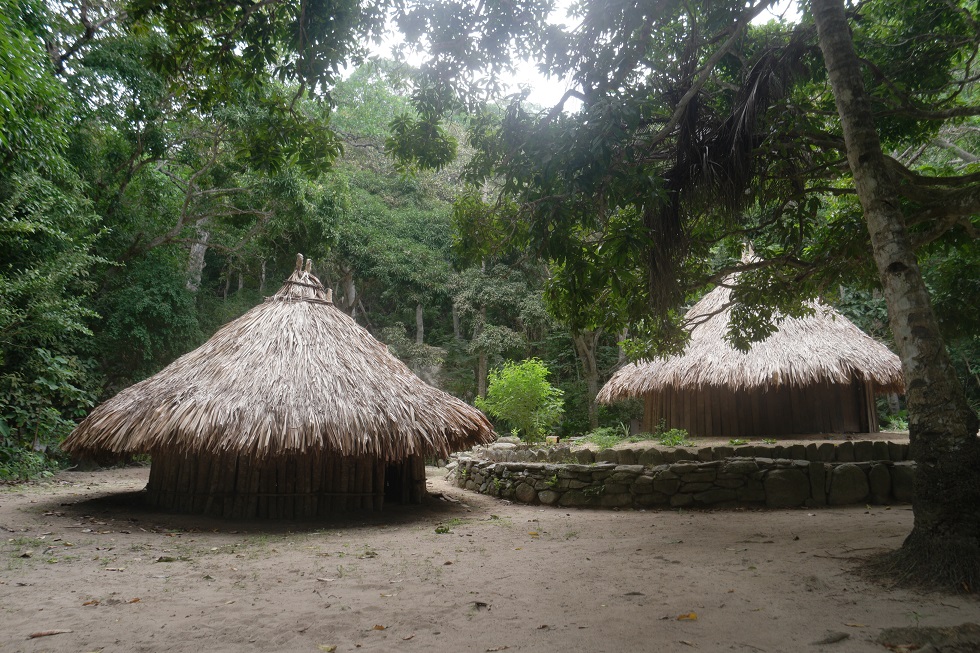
{"x":405,"y":480}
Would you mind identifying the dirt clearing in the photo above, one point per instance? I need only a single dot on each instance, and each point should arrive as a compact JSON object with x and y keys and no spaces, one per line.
{"x":466,"y":573}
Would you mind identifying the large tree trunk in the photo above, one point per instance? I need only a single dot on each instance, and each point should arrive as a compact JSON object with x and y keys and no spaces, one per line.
{"x":585,"y":345}
{"x":944,"y":546}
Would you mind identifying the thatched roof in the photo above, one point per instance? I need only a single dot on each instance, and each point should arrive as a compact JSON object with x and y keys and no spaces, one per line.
{"x":294,"y":374}
{"x":823,"y":348}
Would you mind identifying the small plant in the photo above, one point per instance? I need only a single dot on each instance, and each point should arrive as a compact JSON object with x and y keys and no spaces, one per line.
{"x":603,"y":437}
{"x":552,"y":480}
{"x":897,"y":422}
{"x":769,"y":440}
{"x":606,"y":437}
{"x":735,"y":442}
{"x":674,"y":438}
{"x":671,"y":437}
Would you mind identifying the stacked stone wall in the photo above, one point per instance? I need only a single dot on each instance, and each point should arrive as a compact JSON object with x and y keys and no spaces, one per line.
{"x":776,"y":483}
{"x":512,"y":450}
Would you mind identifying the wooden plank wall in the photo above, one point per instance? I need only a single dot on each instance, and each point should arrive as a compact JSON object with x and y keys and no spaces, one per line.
{"x":289,"y":487}
{"x":722,"y":413}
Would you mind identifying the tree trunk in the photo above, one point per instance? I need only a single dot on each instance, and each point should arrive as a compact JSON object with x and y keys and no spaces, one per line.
{"x":419,"y":325}
{"x":262,"y":279}
{"x":195,"y":260}
{"x":457,"y":328}
{"x":481,"y":361}
{"x":585,"y":345}
{"x":944,"y":546}
{"x":350,"y":290}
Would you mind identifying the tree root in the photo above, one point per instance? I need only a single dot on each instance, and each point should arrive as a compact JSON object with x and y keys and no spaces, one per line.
{"x":941,"y":567}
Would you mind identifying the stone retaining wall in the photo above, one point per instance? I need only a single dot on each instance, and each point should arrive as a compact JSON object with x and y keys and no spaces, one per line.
{"x":777,"y":483}
{"x":512,"y":450}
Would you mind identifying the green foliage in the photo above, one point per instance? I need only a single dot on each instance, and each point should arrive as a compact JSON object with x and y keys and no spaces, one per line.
{"x":519,"y":393}
{"x":897,"y":422}
{"x":149,"y":318}
{"x":242,"y":42}
{"x":606,"y":437}
{"x":417,"y":143}
{"x":32,"y":102}
{"x":47,"y":233}
{"x":416,"y":355}
{"x":19,"y":465}
{"x":672,"y":437}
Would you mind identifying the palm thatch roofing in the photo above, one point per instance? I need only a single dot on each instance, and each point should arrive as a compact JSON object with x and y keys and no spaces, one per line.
{"x":293,"y":375}
{"x":824,"y":347}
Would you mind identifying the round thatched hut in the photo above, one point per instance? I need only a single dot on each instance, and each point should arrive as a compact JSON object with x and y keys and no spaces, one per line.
{"x":817,"y":374}
{"x":291,"y":411}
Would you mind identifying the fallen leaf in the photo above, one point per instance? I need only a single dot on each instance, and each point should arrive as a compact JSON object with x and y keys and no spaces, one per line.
{"x":685,"y":642}
{"x":832,"y":638}
{"x":408,"y":637}
{"x":326,"y":580}
{"x":115,"y":569}
{"x":327,"y":648}
{"x":534,"y":534}
{"x":379,"y":627}
{"x":855,"y":625}
{"x":47,"y":633}
{"x":166,"y":559}
{"x":134,"y":600}
{"x":690,"y":616}
{"x":92,"y":602}
{"x":497,"y":648}
{"x":543,"y":627}
{"x":386,"y":596}
{"x":447,"y":562}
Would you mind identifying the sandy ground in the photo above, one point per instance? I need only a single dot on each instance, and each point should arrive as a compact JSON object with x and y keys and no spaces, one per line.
{"x":467,"y":573}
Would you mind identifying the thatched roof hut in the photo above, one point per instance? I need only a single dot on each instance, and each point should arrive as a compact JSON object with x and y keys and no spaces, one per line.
{"x":816,"y":374}
{"x":292,"y":410}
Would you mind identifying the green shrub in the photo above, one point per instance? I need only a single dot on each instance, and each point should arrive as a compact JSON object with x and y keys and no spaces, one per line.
{"x":519,"y":393}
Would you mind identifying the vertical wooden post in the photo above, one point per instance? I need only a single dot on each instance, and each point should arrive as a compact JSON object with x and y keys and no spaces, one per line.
{"x":344,"y":485}
{"x":379,"y":484}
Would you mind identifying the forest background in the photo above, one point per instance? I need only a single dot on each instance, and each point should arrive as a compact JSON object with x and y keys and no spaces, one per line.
{"x":156,"y":181}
